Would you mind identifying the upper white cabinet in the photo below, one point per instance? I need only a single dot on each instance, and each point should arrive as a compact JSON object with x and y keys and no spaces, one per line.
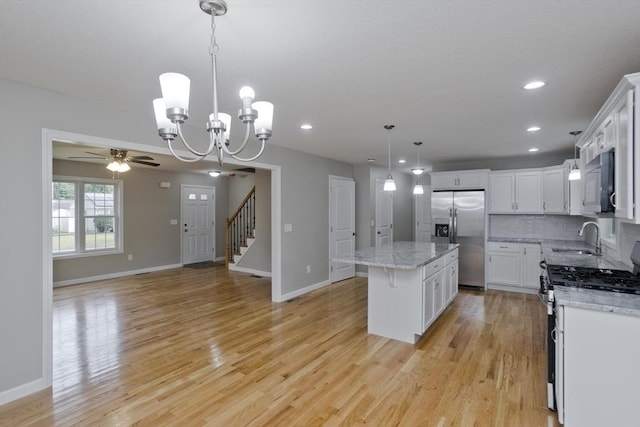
{"x":460,"y":180}
{"x":515,"y":192}
{"x":554,"y":183}
{"x":617,"y":127}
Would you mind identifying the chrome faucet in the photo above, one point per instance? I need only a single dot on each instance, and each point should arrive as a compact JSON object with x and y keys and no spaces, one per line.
{"x":595,"y":224}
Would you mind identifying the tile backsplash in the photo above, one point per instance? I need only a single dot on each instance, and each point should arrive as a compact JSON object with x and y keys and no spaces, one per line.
{"x":561,"y":227}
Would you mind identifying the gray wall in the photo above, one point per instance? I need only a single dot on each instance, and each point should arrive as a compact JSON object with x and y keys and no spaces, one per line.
{"x":239,"y":187}
{"x":503,"y":163}
{"x":148,"y":235}
{"x":24,"y":112}
{"x":258,"y":258}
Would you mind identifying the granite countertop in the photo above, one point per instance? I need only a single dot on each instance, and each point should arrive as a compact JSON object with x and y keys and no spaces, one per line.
{"x":575,"y":260}
{"x":612,"y":302}
{"x":400,"y":255}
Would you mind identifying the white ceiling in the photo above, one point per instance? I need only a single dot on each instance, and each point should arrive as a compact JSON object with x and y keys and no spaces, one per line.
{"x":445,"y":72}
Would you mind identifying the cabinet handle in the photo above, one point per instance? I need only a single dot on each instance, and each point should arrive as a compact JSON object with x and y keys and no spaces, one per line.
{"x":516,"y":206}
{"x":489,"y":258}
{"x":504,"y":247}
{"x":544,"y":206}
{"x":525,"y":251}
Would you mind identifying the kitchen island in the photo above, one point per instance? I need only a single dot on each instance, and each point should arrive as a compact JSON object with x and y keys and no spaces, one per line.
{"x":409,"y":285}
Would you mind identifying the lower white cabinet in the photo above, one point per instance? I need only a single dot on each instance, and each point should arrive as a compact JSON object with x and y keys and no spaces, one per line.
{"x":514,"y":266}
{"x":439,"y":287}
{"x":598,"y":374}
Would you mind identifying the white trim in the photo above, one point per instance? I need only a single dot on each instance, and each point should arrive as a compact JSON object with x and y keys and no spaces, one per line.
{"x":507,"y":288}
{"x":362,"y":274}
{"x":276,"y":234}
{"x":114,"y":275}
{"x":22,"y":390}
{"x":305,"y":290}
{"x":217,"y":259}
{"x":47,"y":263}
{"x":250,"y":271}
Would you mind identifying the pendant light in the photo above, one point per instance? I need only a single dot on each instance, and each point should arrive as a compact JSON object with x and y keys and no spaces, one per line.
{"x":418,"y":189}
{"x":389,"y":183}
{"x":574,"y":174}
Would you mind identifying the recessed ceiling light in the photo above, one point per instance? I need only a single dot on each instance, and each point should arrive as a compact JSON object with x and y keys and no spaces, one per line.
{"x":306,"y":126}
{"x":537,"y":84}
{"x":402,"y":161}
{"x":533,"y":150}
{"x":533,"y":129}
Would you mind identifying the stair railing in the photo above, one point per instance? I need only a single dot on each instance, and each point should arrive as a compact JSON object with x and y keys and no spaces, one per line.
{"x":240,"y":226}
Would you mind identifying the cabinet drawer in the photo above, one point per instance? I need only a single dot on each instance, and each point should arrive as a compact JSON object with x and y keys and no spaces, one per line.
{"x":450,"y":257}
{"x":432,"y":267}
{"x":503,"y":247}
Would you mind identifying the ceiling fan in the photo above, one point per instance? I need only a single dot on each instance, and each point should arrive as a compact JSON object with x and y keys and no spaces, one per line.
{"x":120,"y":159}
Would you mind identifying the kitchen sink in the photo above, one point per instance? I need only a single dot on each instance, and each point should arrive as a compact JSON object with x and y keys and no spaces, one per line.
{"x":585,"y":252}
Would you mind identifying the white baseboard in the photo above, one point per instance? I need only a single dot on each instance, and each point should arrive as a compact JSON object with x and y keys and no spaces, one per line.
{"x":220,"y":258}
{"x":233,"y":267}
{"x":22,"y":391}
{"x":306,"y":290}
{"x":361,"y":274}
{"x":114,"y":275}
{"x":509,"y":288}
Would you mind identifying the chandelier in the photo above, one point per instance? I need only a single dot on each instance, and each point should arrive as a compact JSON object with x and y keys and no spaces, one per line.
{"x":172,"y":110}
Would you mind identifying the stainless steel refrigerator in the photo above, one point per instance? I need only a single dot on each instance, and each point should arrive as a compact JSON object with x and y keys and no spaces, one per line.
{"x":458,"y":217}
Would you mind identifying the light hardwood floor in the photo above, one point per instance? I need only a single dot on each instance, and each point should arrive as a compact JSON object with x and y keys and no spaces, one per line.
{"x":208,"y":347}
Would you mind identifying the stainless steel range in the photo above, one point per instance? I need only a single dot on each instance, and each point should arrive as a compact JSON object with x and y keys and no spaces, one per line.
{"x":603,"y":280}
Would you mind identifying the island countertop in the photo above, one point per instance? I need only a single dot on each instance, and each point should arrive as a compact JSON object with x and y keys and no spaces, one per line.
{"x":400,"y":255}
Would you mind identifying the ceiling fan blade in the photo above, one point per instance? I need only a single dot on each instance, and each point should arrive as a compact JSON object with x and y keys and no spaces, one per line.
{"x":142,"y":162}
{"x":96,"y":154}
{"x":141,"y":158}
{"x":87,"y":157}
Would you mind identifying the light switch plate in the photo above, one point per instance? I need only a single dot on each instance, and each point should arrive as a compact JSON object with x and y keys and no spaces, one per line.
{"x":173,"y":222}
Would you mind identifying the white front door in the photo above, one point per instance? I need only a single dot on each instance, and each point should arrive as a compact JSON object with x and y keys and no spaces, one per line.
{"x":422,"y":204}
{"x":342,"y":226}
{"x":198,"y":233}
{"x":384,"y":214}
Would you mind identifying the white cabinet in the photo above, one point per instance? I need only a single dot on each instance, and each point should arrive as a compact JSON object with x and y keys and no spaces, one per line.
{"x":554,"y":182}
{"x":451,"y":281}
{"x":439,"y":287}
{"x":617,"y":127}
{"x":514,"y":266}
{"x":460,"y":180}
{"x":515,"y":192}
{"x":597,"y":371}
{"x":504,"y":263}
{"x":531,"y":255}
{"x":623,"y":136}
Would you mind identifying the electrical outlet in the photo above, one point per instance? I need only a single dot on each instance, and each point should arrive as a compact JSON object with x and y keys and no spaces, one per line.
{"x":308,"y":269}
{"x":130,"y":257}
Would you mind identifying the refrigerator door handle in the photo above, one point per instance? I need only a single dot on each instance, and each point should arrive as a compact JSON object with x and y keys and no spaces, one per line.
{"x":451,"y":225}
{"x":455,"y":225}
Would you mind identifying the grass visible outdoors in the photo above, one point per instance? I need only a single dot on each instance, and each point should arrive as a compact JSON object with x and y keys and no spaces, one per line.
{"x":65,"y":242}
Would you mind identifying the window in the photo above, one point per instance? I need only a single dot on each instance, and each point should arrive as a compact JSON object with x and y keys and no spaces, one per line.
{"x":608,"y":232}
{"x":86,"y":216}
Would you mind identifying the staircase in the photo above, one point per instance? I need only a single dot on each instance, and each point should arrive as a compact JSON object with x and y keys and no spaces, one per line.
{"x":240,"y":233}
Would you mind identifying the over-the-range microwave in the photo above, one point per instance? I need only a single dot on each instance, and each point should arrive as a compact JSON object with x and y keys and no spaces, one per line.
{"x":599,"y":184}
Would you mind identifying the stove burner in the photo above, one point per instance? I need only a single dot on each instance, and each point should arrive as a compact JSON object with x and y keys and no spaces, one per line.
{"x":593,"y":278}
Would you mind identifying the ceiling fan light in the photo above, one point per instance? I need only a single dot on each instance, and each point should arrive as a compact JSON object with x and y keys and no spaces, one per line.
{"x":389,"y":184}
{"x":124,"y":167}
{"x":113,"y":166}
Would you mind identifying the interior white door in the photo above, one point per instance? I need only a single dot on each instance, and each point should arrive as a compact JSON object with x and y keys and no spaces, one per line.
{"x":198,"y":233}
{"x":384,"y":214}
{"x":342,"y":227}
{"x":422,"y":203}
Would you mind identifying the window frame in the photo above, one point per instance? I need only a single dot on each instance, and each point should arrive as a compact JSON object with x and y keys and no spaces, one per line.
{"x":80,"y":242}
